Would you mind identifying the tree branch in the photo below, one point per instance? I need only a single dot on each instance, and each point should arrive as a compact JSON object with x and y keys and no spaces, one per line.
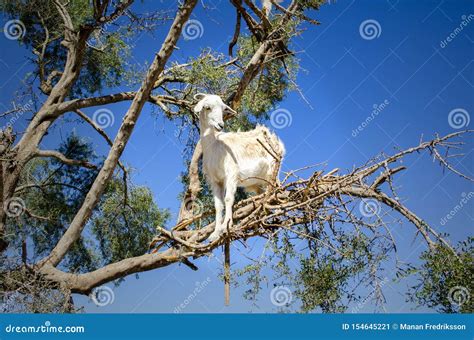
{"x":58,"y":155}
{"x":77,"y":225}
{"x":285,"y":206}
{"x":101,"y":132}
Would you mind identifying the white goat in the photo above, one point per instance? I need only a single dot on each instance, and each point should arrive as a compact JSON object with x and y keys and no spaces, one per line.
{"x":233,"y":159}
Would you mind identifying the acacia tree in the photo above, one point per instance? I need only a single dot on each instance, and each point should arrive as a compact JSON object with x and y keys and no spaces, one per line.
{"x":80,"y":51}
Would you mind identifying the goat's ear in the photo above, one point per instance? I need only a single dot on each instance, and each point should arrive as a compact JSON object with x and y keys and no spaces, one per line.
{"x":198,"y":107}
{"x":199,"y":96}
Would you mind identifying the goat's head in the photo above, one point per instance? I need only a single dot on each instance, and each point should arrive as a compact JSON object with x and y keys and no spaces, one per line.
{"x":211,"y":108}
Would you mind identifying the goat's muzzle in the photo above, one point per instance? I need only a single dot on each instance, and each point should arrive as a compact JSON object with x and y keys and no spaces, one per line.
{"x":219,"y":126}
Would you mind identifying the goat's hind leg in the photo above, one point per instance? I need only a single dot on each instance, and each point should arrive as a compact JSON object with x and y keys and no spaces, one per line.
{"x":230,"y":189}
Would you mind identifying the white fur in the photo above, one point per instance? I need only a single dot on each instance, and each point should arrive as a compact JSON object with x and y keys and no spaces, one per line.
{"x":233,"y":159}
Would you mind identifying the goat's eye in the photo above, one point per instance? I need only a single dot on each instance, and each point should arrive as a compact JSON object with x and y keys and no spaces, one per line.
{"x":207,"y":107}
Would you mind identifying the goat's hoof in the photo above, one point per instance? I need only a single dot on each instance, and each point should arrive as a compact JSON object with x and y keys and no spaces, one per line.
{"x":228,"y":224}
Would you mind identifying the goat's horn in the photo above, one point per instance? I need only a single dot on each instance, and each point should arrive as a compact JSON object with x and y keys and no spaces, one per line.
{"x":231,"y":110}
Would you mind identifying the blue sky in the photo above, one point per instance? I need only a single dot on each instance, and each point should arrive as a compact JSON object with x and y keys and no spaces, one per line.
{"x":343,"y":75}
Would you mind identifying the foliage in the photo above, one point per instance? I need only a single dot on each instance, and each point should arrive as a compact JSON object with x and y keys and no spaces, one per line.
{"x":271,"y":85}
{"x":446,"y":280}
{"x":60,"y":192}
{"x":324,"y":277}
{"x":36,"y":295}
{"x":105,"y":54}
{"x":314,"y":4}
{"x":206,"y":73}
{"x":125,"y":229}
{"x":122,"y":225}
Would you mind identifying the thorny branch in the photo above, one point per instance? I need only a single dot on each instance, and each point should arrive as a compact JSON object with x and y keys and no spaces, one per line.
{"x":287,"y":205}
{"x":290,"y":205}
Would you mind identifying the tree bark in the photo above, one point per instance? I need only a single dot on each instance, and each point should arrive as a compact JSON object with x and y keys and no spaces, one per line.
{"x":44,"y":118}
{"x":77,"y":225}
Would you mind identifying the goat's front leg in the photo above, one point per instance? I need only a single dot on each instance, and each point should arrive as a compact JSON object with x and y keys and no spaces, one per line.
{"x":218,"y":193}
